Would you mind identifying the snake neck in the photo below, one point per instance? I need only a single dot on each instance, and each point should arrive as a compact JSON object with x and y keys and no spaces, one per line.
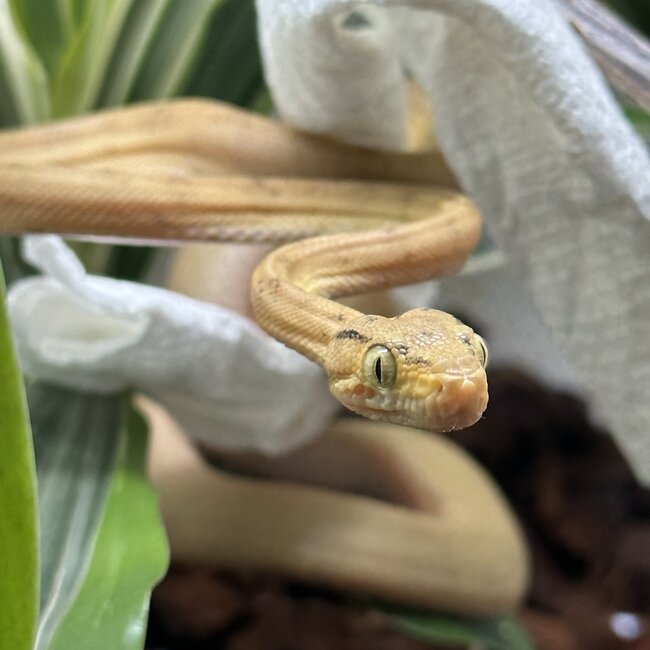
{"x":289,"y":311}
{"x":293,"y":287}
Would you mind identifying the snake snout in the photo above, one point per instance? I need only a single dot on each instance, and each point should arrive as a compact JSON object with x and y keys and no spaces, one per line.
{"x":459,"y":403}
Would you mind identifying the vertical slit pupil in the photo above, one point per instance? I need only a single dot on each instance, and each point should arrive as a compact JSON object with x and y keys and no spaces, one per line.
{"x":378,"y":369}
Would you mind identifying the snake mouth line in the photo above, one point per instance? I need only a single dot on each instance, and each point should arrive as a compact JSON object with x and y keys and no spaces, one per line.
{"x":379,"y":411}
{"x":362,"y":407}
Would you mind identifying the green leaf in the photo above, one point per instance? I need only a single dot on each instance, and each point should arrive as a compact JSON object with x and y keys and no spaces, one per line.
{"x":636,"y":12}
{"x":169,"y":60}
{"x":48,"y":25}
{"x":136,"y":37}
{"x":229,"y":67}
{"x":130,"y":557}
{"x":640,"y":120}
{"x":18,"y":515}
{"x":15,"y":267}
{"x":503,"y":633}
{"x":76,"y":437}
{"x":80,"y":77}
{"x":130,"y":262}
{"x":103,"y":546}
{"x":24,"y":89}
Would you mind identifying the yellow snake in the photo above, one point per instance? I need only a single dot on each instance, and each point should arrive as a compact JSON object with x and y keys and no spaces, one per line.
{"x":197,"y":170}
{"x":167,"y":172}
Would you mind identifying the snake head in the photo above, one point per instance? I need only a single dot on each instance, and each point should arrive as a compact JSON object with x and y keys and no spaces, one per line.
{"x":423,"y":369}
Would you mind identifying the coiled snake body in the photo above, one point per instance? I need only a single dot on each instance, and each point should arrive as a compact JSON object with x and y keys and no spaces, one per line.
{"x":424,"y":369}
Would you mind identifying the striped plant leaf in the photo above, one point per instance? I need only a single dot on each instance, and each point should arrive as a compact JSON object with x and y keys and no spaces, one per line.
{"x":178,"y":40}
{"x":24,"y":97}
{"x":501,"y":633}
{"x":103,"y":546}
{"x":229,"y":67}
{"x":18,"y":517}
{"x":76,"y":437}
{"x":80,"y":76}
{"x":47,"y":25}
{"x":135,"y":39}
{"x":130,"y":556}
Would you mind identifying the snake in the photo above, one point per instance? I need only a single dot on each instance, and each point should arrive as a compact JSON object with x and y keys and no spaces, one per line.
{"x":172,"y":172}
{"x":425,"y":368}
{"x":347,"y":220}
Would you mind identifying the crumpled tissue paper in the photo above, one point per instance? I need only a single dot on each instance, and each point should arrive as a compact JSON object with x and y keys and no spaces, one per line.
{"x":535,"y":138}
{"x":226,"y":382}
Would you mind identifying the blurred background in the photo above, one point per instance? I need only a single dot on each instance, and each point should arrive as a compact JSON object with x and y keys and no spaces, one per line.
{"x":586,"y":518}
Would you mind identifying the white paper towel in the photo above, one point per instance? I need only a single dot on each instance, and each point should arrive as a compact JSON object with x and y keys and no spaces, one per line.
{"x":533,"y":133}
{"x":226,"y":382}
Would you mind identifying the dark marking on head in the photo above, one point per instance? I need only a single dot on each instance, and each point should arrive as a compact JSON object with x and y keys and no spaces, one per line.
{"x":340,"y":317}
{"x":465,"y":339}
{"x":353,"y":335}
{"x":418,"y":361}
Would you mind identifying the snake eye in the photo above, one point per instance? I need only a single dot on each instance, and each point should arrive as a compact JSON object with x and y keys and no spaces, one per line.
{"x":379,"y":366}
{"x":483,"y":354}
